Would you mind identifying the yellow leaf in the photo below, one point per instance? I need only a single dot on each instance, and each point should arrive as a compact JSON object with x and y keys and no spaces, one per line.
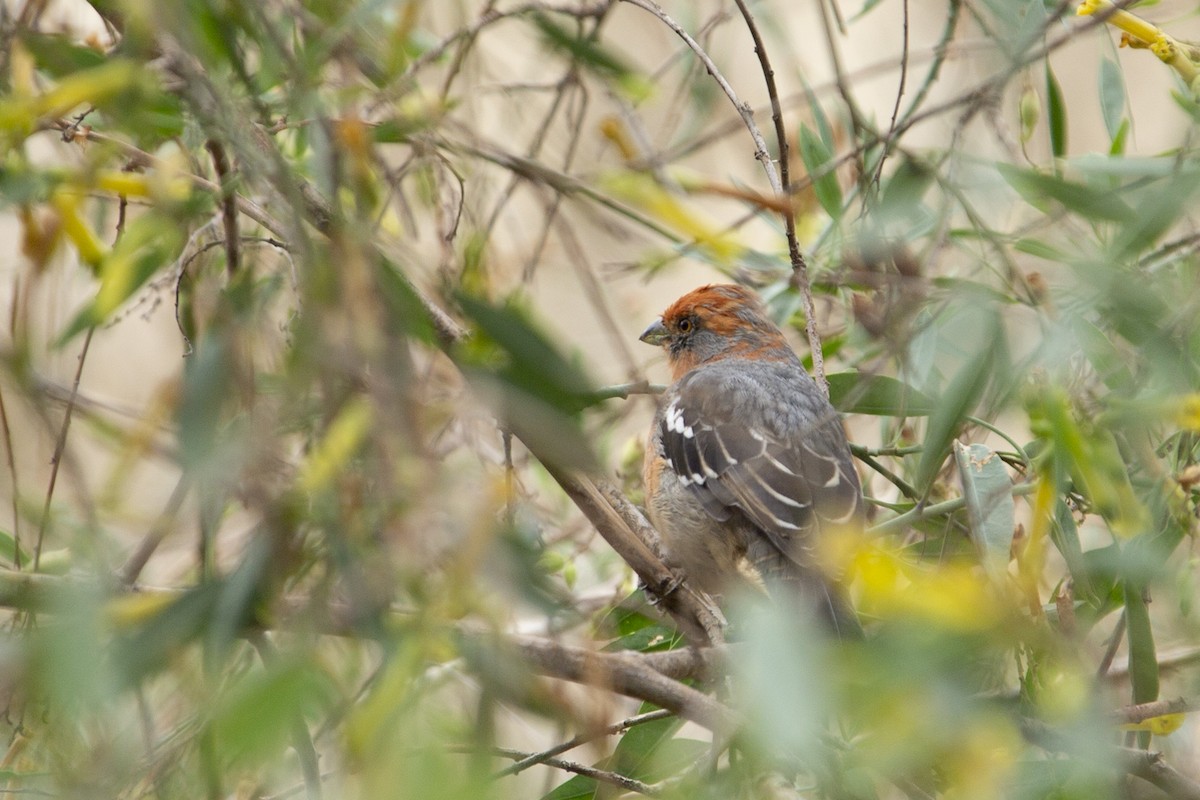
{"x":67,"y":202}
{"x":1187,"y":412}
{"x":120,"y":273}
{"x":137,"y":608}
{"x":1159,"y":726}
{"x":342,"y":439}
{"x":129,"y":184}
{"x":644,"y":192}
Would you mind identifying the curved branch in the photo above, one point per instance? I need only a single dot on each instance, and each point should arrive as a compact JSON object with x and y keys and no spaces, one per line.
{"x":744,"y":110}
{"x":1151,"y":768}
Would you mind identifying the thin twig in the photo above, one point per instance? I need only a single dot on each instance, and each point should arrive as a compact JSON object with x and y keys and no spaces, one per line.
{"x":1114,"y":642}
{"x":154,"y":537}
{"x":622,"y":391}
{"x":620,"y":727}
{"x":61,"y":445}
{"x":800,"y":277}
{"x":12,"y":472}
{"x":940,"y":52}
{"x":920,"y":512}
{"x":434,"y":53}
{"x":743,"y":109}
{"x":602,"y":775}
{"x":899,"y":91}
{"x":143,"y":159}
{"x":907,"y":489}
{"x":228,"y":204}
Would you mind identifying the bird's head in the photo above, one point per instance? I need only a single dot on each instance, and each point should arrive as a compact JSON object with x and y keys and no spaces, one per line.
{"x":715,"y":322}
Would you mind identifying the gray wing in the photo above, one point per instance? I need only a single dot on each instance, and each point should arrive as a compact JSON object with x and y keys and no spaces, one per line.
{"x":762,"y":442}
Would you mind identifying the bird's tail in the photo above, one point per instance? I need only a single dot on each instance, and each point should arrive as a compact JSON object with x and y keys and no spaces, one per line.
{"x":807,"y":589}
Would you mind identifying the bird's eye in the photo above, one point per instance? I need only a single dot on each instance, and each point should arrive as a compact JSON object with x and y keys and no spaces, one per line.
{"x":686,"y":325}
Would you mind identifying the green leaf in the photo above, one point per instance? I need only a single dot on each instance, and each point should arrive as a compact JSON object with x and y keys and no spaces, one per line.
{"x":1143,"y":660}
{"x":10,"y":551}
{"x":1118,"y":141}
{"x":1091,"y":456}
{"x":1094,"y":165}
{"x":641,"y":633}
{"x":639,"y":753}
{"x":1036,"y":247}
{"x":879,"y":395}
{"x":576,"y":788}
{"x":534,"y":390}
{"x":1112,"y":97}
{"x":906,"y":187}
{"x":958,"y":400}
{"x":987,"y":489}
{"x":151,"y":647}
{"x":818,"y":158}
{"x":1057,"y":114}
{"x":1037,"y":187}
{"x":1102,"y":354}
{"x":58,"y":55}
{"x":1065,"y":536}
{"x":149,"y":243}
{"x":1029,"y":109}
{"x":820,"y":119}
{"x":533,"y":361}
{"x":1160,"y":207}
{"x":592,"y":56}
{"x":255,"y":720}
{"x":862,"y":12}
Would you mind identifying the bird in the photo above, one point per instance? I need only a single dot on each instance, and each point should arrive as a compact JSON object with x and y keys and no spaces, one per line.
{"x":747,"y":464}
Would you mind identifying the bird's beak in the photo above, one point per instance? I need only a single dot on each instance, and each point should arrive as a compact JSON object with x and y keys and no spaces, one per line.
{"x":657,"y":334}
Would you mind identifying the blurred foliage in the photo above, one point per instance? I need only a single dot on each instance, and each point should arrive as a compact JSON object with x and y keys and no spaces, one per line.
{"x":334,"y":593}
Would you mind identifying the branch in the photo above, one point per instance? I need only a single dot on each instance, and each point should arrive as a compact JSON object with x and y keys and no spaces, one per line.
{"x":604,"y":776}
{"x":920,"y":512}
{"x":1159,"y":708}
{"x":533,"y":759}
{"x":630,"y":675}
{"x":617,"y":522}
{"x":623,"y":391}
{"x":141,"y":158}
{"x":225,"y":177}
{"x":744,"y":110}
{"x":800,"y":278}
{"x":652,"y":677}
{"x":1151,"y":768}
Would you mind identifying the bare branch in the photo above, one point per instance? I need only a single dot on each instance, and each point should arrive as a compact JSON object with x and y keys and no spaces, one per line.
{"x":627,"y":674}
{"x":602,"y":775}
{"x":1152,"y":768}
{"x":1159,"y":708}
{"x":542,"y":757}
{"x":800,"y":279}
{"x":744,"y":110}
{"x":695,"y":612}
